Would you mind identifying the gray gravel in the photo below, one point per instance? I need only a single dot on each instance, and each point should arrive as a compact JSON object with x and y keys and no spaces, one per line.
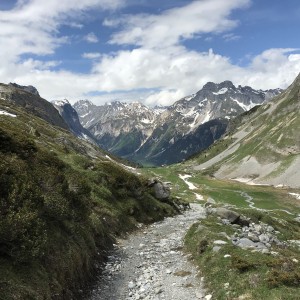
{"x":150,"y":264}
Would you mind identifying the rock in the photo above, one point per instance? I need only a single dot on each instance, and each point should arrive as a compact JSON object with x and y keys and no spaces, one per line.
{"x":208,"y":297}
{"x":161,"y":191}
{"x":209,"y":202}
{"x":257,"y":228}
{"x":225,"y":213}
{"x":253,"y":237}
{"x":216,"y":248}
{"x":245,"y":243}
{"x":131,"y":285}
{"x":264,"y":238}
{"x":227,"y":255}
{"x":265,"y":251}
{"x":199,"y":295}
{"x":260,"y":245}
{"x":243,"y":222}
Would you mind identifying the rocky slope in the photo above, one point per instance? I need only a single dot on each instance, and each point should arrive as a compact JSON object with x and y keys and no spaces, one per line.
{"x":121,"y":128}
{"x":171,"y":134}
{"x":70,"y":116}
{"x":263,"y":146}
{"x":29,"y":99}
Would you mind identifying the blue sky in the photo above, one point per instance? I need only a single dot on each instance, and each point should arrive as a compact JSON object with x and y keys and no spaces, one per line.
{"x":152,"y":51}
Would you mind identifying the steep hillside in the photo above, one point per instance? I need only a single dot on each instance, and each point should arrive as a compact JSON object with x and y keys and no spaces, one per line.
{"x":70,"y":116}
{"x":32,"y":103}
{"x":63,"y":202}
{"x":263,"y":145}
{"x":171,"y":134}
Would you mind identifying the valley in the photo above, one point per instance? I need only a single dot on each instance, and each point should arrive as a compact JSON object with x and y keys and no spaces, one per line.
{"x":149,"y":150}
{"x":86,"y":224}
{"x":170,"y":134}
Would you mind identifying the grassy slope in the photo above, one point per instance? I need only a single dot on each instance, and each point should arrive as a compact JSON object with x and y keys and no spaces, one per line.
{"x":249,"y":275}
{"x":62,"y":202}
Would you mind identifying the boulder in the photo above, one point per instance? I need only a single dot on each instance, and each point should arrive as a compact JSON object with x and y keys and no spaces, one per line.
{"x":161,"y":191}
{"x":246,"y":243}
{"x":230,"y":215}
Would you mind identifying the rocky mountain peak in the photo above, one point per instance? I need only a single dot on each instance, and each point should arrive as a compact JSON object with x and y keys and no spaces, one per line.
{"x":60,"y":102}
{"x":164,"y":135}
{"x":29,"y":88}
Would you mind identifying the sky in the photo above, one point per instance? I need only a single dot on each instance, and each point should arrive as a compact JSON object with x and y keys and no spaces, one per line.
{"x":153,"y":51}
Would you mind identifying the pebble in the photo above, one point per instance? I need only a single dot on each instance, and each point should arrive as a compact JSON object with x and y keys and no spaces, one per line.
{"x":143,"y":266}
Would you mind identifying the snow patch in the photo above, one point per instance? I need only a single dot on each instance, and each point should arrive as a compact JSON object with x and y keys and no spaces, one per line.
{"x":5,"y":113}
{"x":221,"y":91}
{"x":295,"y":195}
{"x":207,"y":117}
{"x":82,"y":116}
{"x":188,"y":98}
{"x":244,"y":106}
{"x":60,"y":102}
{"x":189,"y":184}
{"x":199,"y":197}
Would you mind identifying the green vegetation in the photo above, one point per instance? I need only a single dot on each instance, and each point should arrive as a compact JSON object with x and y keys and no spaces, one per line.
{"x":245,"y":274}
{"x":62,"y":203}
{"x":233,"y":272}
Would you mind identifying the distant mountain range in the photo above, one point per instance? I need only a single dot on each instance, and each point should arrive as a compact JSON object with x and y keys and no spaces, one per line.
{"x":150,"y":136}
{"x":261,"y":146}
{"x":165,"y":135}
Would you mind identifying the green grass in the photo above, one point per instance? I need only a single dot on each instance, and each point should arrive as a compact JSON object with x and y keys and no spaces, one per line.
{"x":250,"y":275}
{"x":62,"y":202}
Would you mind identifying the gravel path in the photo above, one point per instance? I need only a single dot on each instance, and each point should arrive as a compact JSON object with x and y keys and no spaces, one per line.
{"x":150,"y":264}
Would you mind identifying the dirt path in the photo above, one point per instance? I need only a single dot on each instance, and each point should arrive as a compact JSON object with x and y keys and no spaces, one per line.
{"x":150,"y":264}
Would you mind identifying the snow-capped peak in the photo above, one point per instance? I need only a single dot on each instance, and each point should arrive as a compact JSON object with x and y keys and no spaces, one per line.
{"x":60,"y":102}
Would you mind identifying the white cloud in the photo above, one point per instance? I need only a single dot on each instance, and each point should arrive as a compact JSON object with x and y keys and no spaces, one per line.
{"x":91,"y":38}
{"x":32,"y":26}
{"x":173,"y":25}
{"x":178,"y":71}
{"x":159,"y":62}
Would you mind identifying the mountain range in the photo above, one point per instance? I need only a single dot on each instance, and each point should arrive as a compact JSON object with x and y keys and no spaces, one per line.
{"x":261,"y":146}
{"x":165,"y":135}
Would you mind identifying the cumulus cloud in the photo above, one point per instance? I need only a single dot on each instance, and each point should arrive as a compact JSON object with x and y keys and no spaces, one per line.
{"x":181,"y":72}
{"x":157,"y":69}
{"x":32,"y":25}
{"x":170,"y":27}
